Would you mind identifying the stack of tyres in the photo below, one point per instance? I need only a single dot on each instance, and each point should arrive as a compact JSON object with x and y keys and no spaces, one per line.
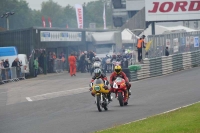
{"x":134,"y":67}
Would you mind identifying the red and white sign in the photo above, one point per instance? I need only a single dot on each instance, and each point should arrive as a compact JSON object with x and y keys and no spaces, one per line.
{"x":167,"y":10}
{"x":79,"y":15}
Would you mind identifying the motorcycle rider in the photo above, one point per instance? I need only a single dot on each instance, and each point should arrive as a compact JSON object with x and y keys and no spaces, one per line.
{"x":98,"y":74}
{"x":119,"y":73}
{"x":96,"y":59}
{"x":114,"y":57}
{"x":119,"y":57}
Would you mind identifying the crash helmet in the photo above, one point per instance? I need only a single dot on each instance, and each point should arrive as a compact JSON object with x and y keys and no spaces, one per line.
{"x":143,"y":36}
{"x":118,"y":69}
{"x":97,"y":73}
{"x":114,"y":56}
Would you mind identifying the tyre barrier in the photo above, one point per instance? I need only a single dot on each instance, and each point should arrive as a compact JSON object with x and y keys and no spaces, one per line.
{"x":165,"y":65}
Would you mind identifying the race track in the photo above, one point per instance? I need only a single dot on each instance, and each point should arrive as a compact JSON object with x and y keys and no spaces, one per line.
{"x":63,"y":104}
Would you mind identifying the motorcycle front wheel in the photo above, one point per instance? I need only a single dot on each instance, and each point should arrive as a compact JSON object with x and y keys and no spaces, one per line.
{"x":120,"y":98}
{"x":105,"y":105}
{"x":99,"y":103}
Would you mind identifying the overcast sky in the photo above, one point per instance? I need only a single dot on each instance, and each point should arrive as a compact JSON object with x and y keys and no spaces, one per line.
{"x":36,"y":4}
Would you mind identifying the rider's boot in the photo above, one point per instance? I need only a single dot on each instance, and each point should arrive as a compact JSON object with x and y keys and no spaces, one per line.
{"x":129,"y":92}
{"x":109,"y":97}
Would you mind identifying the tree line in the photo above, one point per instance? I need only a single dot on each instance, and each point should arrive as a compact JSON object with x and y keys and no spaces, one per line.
{"x":25,"y":17}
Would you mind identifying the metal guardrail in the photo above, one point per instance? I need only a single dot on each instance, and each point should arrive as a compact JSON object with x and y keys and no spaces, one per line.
{"x":165,"y":65}
{"x":179,"y":42}
{"x":58,"y":66}
{"x":11,"y":74}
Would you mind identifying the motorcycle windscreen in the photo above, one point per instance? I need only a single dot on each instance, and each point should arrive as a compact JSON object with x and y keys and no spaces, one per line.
{"x":97,"y":64}
{"x":98,"y":81}
{"x":119,"y":79}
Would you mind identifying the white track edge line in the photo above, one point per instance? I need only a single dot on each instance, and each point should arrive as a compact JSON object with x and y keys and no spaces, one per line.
{"x":29,"y":99}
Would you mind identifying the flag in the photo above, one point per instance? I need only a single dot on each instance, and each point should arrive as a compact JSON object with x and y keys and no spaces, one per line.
{"x":79,"y":15}
{"x":104,"y":16}
{"x":50,"y":22}
{"x":148,"y":45}
{"x":43,"y":21}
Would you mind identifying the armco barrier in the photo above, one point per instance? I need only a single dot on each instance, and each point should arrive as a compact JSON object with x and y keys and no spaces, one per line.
{"x":11,"y":74}
{"x":166,"y":64}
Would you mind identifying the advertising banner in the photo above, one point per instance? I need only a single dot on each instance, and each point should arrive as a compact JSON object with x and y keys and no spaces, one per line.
{"x":196,"y":42}
{"x":52,"y":36}
{"x":79,"y":15}
{"x":183,"y":41}
{"x":166,"y":10}
{"x":176,"y":45}
{"x":191,"y":40}
{"x":187,"y":41}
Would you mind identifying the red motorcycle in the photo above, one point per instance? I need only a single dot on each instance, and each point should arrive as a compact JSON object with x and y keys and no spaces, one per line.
{"x":121,"y":91}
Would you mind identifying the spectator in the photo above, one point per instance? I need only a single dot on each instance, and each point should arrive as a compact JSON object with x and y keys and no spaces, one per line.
{"x":166,"y":51}
{"x":63,"y":61}
{"x":91,"y":55}
{"x":60,"y":56}
{"x":6,"y":64}
{"x":82,"y":62}
{"x":36,"y":65}
{"x":50,"y":63}
{"x":54,"y":55}
{"x":15,"y":63}
{"x":1,"y":65}
{"x":140,"y":45}
{"x":41,"y":60}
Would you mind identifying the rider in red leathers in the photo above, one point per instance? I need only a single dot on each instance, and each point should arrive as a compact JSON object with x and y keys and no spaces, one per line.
{"x":118,"y":73}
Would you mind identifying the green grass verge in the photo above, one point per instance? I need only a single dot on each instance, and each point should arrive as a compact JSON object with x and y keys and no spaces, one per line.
{"x":185,"y":120}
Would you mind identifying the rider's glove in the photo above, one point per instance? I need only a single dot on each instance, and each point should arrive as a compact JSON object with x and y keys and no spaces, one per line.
{"x":90,"y":89}
{"x":111,"y":85}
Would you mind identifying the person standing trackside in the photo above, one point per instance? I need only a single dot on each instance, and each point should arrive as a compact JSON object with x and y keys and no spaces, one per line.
{"x":166,"y":51}
{"x":139,"y":47}
{"x":36,"y":65}
{"x":72,"y":64}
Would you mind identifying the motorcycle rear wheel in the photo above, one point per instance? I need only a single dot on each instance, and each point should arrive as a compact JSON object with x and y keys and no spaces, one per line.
{"x":105,"y":108}
{"x":121,"y":99}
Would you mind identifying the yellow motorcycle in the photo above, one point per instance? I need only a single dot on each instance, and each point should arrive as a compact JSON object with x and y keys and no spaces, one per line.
{"x":101,"y":94}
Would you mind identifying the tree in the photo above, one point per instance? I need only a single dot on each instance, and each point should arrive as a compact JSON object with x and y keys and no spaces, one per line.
{"x":70,"y":16}
{"x":61,"y":16}
{"x":21,"y":18}
{"x":94,"y":14}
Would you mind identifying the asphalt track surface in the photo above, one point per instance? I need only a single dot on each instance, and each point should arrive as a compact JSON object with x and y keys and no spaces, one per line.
{"x":77,"y":113}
